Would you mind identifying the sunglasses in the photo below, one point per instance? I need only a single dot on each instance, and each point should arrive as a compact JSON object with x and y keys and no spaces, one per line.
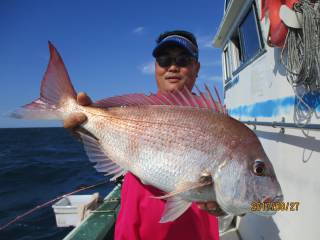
{"x":180,"y":61}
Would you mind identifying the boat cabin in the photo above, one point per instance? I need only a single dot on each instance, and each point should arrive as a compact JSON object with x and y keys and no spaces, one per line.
{"x":263,"y":93}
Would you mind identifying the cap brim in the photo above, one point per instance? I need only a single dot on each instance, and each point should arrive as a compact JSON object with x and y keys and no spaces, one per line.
{"x":158,"y":49}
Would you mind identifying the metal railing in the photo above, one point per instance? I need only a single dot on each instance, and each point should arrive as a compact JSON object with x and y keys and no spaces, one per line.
{"x":283,"y":125}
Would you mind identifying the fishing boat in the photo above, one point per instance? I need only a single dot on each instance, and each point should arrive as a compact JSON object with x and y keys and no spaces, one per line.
{"x":271,"y":83}
{"x":270,"y":64}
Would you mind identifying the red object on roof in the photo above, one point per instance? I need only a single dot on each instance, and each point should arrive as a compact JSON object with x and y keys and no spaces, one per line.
{"x":278,"y":30}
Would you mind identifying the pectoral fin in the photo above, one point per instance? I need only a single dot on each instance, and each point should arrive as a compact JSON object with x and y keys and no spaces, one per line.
{"x":204,"y":180}
{"x":183,"y":187}
{"x":174,"y":208}
{"x":96,"y":154}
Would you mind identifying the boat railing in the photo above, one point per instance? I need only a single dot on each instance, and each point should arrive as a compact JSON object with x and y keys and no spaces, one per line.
{"x":283,"y":125}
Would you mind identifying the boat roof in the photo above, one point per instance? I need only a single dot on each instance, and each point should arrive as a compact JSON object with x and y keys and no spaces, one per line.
{"x":234,"y":11}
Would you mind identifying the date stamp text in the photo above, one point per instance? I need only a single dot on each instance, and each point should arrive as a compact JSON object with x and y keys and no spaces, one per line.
{"x":274,"y":206}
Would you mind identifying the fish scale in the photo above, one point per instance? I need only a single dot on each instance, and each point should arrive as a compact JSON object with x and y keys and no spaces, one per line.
{"x":167,"y":169}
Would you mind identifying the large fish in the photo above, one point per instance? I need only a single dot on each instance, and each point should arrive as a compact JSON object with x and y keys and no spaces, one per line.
{"x":183,"y":144}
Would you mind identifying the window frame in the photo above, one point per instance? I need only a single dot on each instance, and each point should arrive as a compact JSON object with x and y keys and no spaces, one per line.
{"x":227,"y":70}
{"x":243,"y":63}
{"x":258,"y":31}
{"x":226,"y":4}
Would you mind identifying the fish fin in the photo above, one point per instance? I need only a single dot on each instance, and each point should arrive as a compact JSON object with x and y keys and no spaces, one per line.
{"x":174,"y":208}
{"x":144,"y":182}
{"x":56,"y":84}
{"x":135,"y":99}
{"x":182,"y":97}
{"x":55,"y":88}
{"x":38,"y":109}
{"x":184,"y":187}
{"x":96,"y":155}
{"x":122,"y":173}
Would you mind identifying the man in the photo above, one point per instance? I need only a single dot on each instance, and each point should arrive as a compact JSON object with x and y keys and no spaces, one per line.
{"x":176,"y":67}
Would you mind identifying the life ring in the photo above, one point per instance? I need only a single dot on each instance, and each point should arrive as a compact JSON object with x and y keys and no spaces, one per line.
{"x":277,"y":30}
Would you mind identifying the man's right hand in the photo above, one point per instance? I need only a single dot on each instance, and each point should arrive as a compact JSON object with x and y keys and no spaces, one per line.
{"x":212,"y":208}
{"x":77,"y":118}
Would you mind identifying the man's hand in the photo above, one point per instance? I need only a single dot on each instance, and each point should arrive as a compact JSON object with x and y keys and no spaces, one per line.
{"x":212,"y":208}
{"x":77,"y":118}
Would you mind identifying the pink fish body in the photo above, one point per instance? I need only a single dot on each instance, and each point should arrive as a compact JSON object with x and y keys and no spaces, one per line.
{"x":183,"y":144}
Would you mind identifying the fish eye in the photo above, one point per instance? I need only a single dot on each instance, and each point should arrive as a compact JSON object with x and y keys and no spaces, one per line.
{"x":259,"y":168}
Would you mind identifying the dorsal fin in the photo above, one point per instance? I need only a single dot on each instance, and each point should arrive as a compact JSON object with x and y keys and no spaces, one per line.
{"x":176,"y":98}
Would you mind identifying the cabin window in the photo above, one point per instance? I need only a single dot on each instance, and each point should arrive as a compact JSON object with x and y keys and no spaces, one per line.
{"x":226,"y":4}
{"x":244,"y":45}
{"x":249,"y":35}
{"x":231,"y":57}
{"x":227,"y":73}
{"x":235,"y":47}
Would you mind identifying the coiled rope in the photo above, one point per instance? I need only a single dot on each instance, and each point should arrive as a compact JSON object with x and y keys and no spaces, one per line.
{"x":300,"y":56}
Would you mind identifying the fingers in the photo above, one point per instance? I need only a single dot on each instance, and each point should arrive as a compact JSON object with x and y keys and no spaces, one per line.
{"x":83,"y":99}
{"x":212,"y":208}
{"x":212,"y":205}
{"x":74,"y":120}
{"x":208,"y":206}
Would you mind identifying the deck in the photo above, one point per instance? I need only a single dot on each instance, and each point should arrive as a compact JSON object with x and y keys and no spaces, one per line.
{"x":99,"y":224}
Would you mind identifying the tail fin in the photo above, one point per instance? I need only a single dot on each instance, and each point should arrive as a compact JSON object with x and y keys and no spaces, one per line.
{"x":55,"y":89}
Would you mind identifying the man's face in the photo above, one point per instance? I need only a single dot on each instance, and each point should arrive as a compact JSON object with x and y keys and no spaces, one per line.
{"x":175,"y":77}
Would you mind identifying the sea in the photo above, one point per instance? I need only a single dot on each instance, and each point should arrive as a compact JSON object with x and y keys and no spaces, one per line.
{"x":38,"y":165}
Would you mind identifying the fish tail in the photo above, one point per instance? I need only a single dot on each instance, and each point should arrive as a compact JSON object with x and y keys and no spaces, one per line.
{"x":56,"y":92}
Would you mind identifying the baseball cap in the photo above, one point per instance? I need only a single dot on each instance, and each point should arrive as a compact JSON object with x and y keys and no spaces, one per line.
{"x":178,"y":38}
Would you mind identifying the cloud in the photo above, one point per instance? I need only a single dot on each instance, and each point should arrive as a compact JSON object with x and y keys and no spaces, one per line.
{"x":147,"y":68}
{"x":215,"y":78}
{"x":138,"y":30}
{"x":205,"y":41}
{"x":210,"y":78}
{"x":216,"y":63}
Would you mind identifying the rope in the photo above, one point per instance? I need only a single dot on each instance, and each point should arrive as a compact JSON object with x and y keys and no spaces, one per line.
{"x":49,"y":202}
{"x":300,"y":56}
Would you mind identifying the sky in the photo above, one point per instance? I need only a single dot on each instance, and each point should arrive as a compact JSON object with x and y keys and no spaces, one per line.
{"x":106,"y":46}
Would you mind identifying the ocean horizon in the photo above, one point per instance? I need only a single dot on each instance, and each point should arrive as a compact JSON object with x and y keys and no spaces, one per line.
{"x":37,"y":165}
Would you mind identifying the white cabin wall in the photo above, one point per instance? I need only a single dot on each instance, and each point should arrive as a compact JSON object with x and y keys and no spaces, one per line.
{"x":258,"y":82}
{"x":295,"y":156}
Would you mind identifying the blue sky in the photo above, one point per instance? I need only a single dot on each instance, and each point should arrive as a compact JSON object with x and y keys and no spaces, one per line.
{"x":106,"y":46}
